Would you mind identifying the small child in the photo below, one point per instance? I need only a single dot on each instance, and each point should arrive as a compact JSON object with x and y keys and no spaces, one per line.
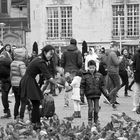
{"x":76,"y":93}
{"x":92,"y":85}
{"x":68,"y":89}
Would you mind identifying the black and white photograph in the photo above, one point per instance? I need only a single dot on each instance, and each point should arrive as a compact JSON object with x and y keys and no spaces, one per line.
{"x":70,"y":69}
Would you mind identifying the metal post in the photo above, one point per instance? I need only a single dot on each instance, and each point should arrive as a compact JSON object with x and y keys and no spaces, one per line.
{"x":2,"y":26}
{"x":120,"y":35}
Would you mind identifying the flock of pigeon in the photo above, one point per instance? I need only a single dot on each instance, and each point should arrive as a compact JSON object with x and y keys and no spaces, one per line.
{"x":121,"y":127}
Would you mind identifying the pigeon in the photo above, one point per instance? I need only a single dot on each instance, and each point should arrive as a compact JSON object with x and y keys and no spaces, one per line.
{"x":114,"y":120}
{"x":126,"y":118}
{"x":119,"y":115}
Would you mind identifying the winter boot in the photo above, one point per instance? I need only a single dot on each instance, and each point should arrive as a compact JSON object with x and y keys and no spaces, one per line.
{"x":78,"y":114}
{"x":95,"y":117}
{"x":7,"y":115}
{"x":126,"y":94}
{"x":74,"y":114}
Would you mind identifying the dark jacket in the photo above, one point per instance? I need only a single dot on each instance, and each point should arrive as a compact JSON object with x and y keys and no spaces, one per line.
{"x":136,"y":66}
{"x":113,"y":62}
{"x":71,"y":59}
{"x":4,"y":68}
{"x":28,"y":85}
{"x":92,"y":85}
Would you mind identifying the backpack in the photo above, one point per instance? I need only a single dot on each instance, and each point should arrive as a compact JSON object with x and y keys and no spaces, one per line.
{"x":4,"y":68}
{"x":48,"y":106}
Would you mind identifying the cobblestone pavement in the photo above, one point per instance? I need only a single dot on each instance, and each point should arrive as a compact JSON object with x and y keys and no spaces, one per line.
{"x":104,"y":114}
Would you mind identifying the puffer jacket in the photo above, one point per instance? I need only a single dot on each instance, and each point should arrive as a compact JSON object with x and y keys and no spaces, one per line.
{"x":18,"y":66}
{"x":92,"y":85}
{"x":18,"y":69}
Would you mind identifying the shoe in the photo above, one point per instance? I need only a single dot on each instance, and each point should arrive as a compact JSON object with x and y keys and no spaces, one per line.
{"x":9,"y":101}
{"x":54,"y":95}
{"x":78,"y":114}
{"x":37,"y":126}
{"x":83,"y":103}
{"x":117,"y":96}
{"x":6,"y":116}
{"x":129,"y":88}
{"x":66,"y":105}
{"x":116,"y":103}
{"x":126,"y":95}
{"x":114,"y":106}
{"x":21,"y":121}
{"x":134,"y":109}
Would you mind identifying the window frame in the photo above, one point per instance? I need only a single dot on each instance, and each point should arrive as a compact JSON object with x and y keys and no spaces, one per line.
{"x":6,"y":3}
{"x":116,"y":19}
{"x":133,"y":21}
{"x":60,"y":22}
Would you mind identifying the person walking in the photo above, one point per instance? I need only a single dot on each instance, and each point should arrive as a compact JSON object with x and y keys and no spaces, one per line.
{"x":113,"y":62}
{"x":136,"y":69}
{"x":5,"y":84}
{"x":123,"y":67}
{"x":29,"y":89}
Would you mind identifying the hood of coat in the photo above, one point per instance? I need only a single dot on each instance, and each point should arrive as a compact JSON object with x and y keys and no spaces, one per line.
{"x":72,"y":47}
{"x":78,"y":78}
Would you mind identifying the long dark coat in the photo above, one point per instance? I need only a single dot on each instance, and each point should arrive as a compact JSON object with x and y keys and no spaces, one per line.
{"x":136,"y":66}
{"x":28,"y":85}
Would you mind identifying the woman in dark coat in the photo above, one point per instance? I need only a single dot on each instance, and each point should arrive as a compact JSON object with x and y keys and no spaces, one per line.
{"x":29,"y":88}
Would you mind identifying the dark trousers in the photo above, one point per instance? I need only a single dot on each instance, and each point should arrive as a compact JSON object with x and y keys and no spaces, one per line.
{"x":124,"y":78}
{"x":115,"y":79}
{"x":93,"y":107}
{"x":132,"y":83}
{"x":17,"y":100}
{"x":35,"y":116}
{"x":5,"y":87}
{"x":24,"y":102}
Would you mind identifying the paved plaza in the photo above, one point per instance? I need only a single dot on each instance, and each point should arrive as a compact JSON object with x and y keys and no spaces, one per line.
{"x":104,"y":114}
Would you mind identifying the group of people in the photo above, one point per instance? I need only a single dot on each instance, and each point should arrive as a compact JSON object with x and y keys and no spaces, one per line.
{"x":85,"y":75}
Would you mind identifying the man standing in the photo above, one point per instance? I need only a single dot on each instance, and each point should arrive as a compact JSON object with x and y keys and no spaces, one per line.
{"x":72,"y":58}
{"x":136,"y":69}
{"x":113,"y":62}
{"x":5,"y":84}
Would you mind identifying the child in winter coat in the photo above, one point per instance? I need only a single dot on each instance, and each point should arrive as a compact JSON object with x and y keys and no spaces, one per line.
{"x":68,"y":89}
{"x":92,"y":85}
{"x":76,"y":93}
{"x":18,"y":69}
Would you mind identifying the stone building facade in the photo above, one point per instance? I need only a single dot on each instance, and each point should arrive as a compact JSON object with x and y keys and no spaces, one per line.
{"x":98,"y":22}
{"x":14,"y":15}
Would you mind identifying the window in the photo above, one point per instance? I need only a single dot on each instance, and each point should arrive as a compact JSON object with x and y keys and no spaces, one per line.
{"x":133,"y":20}
{"x":3,"y":6}
{"x":118,"y":12}
{"x":59,"y":22}
{"x":53,"y":23}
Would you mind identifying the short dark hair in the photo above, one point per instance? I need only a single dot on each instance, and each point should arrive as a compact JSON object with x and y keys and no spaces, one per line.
{"x":91,"y":63}
{"x":73,"y":41}
{"x":103,"y":50}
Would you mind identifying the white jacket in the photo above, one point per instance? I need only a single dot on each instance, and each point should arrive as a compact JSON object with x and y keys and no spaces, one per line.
{"x":76,"y":88}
